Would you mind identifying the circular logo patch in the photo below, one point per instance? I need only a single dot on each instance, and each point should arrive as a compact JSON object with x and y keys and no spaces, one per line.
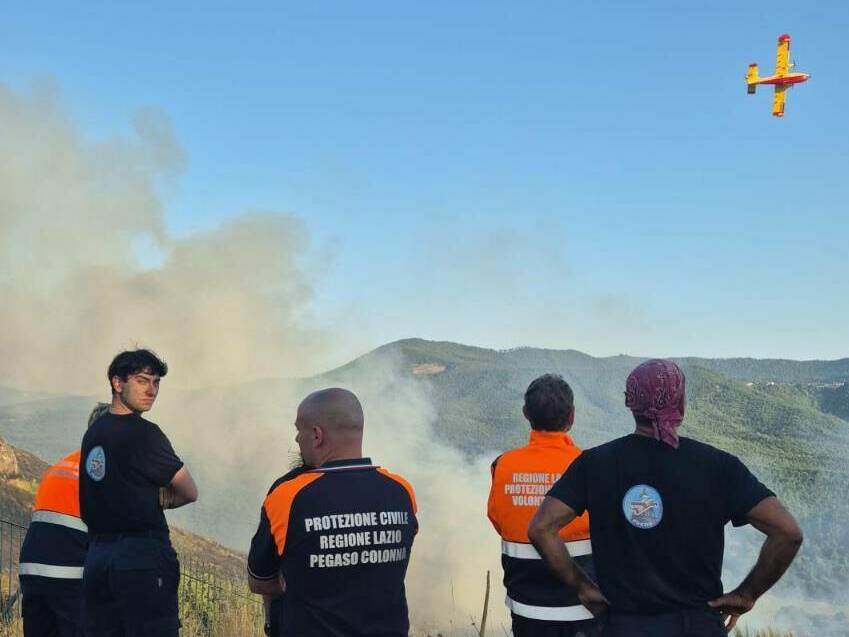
{"x":643,"y":506}
{"x":95,"y":464}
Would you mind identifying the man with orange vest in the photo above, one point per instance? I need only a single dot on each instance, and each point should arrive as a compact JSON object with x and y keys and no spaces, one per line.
{"x":53,"y":552}
{"x":540,"y":605}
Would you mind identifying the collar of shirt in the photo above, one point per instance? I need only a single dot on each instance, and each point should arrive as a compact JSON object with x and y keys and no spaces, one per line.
{"x":348,"y":463}
{"x":550,"y":439}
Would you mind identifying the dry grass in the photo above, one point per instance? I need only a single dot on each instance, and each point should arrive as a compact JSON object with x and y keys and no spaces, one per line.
{"x":242,"y":620}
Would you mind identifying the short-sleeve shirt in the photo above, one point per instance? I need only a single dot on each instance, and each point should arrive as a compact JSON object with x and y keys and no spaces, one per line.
{"x":125,"y":460}
{"x":341,"y":536}
{"x":657,"y":518}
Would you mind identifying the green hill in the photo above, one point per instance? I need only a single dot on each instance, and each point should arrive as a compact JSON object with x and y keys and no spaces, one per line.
{"x":833,"y":399}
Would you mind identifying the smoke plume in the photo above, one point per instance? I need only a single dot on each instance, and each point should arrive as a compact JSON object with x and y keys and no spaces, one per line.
{"x":87,"y":268}
{"x":223,"y":306}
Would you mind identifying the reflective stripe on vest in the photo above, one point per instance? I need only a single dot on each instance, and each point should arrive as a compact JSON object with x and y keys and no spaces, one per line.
{"x":548,"y":613}
{"x":523,"y":551}
{"x":51,"y":517}
{"x":49,"y":570}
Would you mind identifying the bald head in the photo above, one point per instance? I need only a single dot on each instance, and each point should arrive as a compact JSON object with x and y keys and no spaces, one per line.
{"x":330,"y":426}
{"x":334,"y":408}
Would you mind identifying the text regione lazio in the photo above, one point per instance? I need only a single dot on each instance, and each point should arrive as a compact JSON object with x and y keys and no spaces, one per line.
{"x":358,"y":538}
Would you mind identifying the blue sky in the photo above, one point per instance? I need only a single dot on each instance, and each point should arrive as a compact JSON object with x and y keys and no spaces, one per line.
{"x":581,"y":175}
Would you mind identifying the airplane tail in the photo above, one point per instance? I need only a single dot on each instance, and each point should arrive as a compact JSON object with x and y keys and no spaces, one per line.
{"x":752,"y":78}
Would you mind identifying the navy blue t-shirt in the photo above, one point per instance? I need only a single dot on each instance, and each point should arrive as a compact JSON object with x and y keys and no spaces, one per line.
{"x":125,"y":459}
{"x":340,"y":535}
{"x":657,"y":518}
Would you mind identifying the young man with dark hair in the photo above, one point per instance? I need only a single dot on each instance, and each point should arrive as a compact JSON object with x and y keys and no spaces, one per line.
{"x":129,"y":474}
{"x":540,"y":605}
{"x":658,"y":506}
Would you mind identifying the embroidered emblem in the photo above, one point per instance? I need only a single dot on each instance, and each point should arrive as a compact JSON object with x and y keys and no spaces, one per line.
{"x":95,"y":464}
{"x":643,"y":506}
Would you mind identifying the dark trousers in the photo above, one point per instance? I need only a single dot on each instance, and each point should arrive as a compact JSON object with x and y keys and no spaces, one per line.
{"x":272,"y":618}
{"x":693,"y":622}
{"x":526,"y":627}
{"x":130,"y":588}
{"x":52,"y":615}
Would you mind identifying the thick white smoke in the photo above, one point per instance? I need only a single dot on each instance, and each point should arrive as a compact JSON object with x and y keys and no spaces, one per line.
{"x":224,"y":306}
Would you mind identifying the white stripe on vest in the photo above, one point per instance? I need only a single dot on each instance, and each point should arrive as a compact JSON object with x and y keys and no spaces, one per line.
{"x":549,"y":613}
{"x":523,"y":551}
{"x":49,"y":570}
{"x":51,"y":517}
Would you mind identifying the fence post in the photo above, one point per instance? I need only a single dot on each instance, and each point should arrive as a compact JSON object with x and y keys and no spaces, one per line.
{"x":485,"y":607}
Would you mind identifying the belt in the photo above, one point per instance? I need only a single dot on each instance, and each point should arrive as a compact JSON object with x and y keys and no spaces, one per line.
{"x":689,"y":611}
{"x":153,"y":534}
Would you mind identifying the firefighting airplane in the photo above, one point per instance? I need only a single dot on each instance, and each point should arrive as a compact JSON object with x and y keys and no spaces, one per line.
{"x":782,"y":78}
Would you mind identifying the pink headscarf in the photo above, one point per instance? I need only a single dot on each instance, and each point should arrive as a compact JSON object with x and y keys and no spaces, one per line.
{"x":655,"y":391}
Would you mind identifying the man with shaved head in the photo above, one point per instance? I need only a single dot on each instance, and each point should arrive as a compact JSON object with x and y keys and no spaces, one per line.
{"x":335,"y":534}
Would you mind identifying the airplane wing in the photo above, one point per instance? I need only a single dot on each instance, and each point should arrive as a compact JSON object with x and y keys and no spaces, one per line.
{"x":778,"y":100}
{"x":782,"y":58}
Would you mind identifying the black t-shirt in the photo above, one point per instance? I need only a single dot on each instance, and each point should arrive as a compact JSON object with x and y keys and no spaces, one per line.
{"x":341,"y":536}
{"x":657,"y":518}
{"x":124,"y":461}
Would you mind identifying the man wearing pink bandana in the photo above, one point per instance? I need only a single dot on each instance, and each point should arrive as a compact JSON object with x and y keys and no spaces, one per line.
{"x":658,"y":506}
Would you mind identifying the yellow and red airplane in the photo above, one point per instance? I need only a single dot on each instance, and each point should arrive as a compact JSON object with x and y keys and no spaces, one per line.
{"x":783,"y":78}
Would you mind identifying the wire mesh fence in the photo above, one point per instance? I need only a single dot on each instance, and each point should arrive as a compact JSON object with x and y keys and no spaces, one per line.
{"x":11,"y":538}
{"x":212,"y":603}
{"x":210,"y":600}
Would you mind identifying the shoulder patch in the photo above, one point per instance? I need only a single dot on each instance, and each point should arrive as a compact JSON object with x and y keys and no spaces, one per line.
{"x":95,"y":463}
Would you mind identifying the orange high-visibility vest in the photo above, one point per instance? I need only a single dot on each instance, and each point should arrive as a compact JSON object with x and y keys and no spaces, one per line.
{"x":54,"y":548}
{"x":59,"y":490}
{"x":520,"y":479}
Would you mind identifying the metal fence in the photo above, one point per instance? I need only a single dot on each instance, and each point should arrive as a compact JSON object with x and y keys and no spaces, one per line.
{"x":199,"y":580}
{"x":205,"y":593}
{"x":11,"y":538}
